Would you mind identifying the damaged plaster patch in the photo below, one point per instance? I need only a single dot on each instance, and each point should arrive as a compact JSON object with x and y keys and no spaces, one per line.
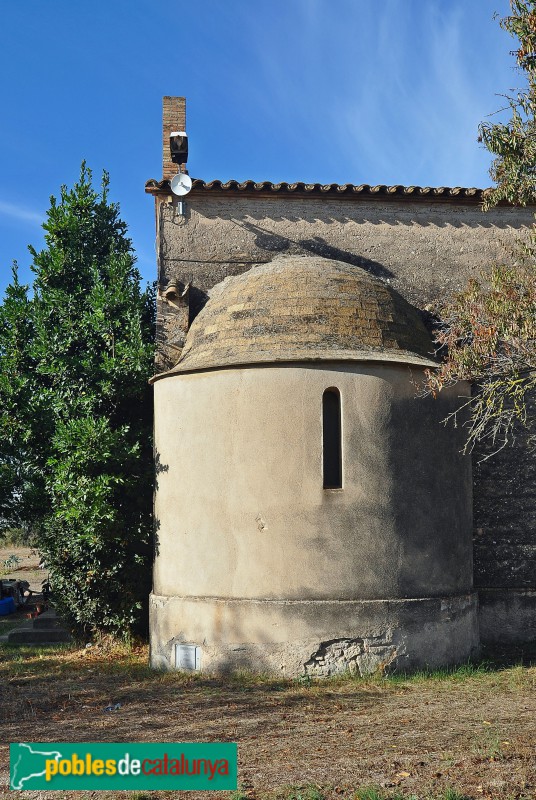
{"x":159,"y":601}
{"x":261,"y":524}
{"x":357,"y":656}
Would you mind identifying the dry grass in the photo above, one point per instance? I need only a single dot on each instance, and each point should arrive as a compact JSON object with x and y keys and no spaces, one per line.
{"x":468,"y":733}
{"x":471,"y":731}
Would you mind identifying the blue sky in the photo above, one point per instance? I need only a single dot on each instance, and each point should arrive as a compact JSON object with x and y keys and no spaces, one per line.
{"x":347,"y":91}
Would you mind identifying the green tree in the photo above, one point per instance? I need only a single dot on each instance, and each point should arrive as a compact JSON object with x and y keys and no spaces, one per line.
{"x":488,"y":331}
{"x":513,"y":143}
{"x":22,"y":493}
{"x":80,"y":411}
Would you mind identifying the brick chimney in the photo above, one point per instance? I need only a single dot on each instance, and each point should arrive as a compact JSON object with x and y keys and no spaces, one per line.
{"x":174,"y":119}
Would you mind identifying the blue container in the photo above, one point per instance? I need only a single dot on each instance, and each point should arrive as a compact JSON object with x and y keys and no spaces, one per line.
{"x":7,"y":606}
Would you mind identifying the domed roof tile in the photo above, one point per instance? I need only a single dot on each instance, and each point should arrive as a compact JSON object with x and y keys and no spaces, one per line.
{"x":303,"y":308}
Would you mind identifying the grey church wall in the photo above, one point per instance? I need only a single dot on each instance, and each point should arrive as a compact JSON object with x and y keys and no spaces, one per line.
{"x":426,"y":250}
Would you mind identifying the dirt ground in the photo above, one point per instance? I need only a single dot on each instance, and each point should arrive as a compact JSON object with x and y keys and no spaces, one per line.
{"x":28,"y":567}
{"x":473,"y":731}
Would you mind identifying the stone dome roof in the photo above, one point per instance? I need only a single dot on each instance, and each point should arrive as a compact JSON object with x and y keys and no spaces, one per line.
{"x":301,"y":308}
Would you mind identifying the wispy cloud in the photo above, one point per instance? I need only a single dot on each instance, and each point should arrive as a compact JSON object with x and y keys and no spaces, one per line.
{"x":416,"y":120}
{"x":21,"y":213}
{"x":377,"y":92}
{"x":348,"y":91}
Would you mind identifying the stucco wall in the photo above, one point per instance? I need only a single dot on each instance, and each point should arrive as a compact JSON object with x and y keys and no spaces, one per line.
{"x":426,"y":250}
{"x":248,"y":517}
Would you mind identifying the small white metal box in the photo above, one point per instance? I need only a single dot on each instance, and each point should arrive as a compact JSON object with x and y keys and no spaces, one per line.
{"x":187,"y":657}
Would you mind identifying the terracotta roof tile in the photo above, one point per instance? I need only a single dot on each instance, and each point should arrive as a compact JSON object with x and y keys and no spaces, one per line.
{"x":444,"y":193}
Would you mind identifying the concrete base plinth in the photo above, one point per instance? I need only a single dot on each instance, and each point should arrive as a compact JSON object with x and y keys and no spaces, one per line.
{"x":322,"y":637}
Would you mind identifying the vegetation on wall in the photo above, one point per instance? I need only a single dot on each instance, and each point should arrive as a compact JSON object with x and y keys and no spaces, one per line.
{"x":76,"y":411}
{"x":488,"y":331}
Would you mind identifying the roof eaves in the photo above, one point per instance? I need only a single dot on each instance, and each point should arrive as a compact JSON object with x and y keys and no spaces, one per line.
{"x":364,"y":190}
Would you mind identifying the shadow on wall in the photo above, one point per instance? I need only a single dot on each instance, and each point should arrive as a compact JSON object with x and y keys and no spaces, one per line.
{"x":159,"y":468}
{"x":433,"y":513}
{"x":198,"y":299}
{"x":274,"y":243}
{"x":396,"y":216}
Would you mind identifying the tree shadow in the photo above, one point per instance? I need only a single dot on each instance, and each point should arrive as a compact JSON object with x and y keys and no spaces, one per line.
{"x":275,"y":243}
{"x":159,"y":468}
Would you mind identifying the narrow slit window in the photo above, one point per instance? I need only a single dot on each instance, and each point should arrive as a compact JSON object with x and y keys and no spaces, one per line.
{"x":331,"y":439}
